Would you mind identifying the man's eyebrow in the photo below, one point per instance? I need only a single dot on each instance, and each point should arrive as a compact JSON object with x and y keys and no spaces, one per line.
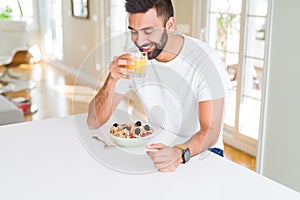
{"x":142,"y":29}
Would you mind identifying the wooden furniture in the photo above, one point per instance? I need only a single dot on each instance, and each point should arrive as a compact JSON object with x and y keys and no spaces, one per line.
{"x":18,"y":57}
{"x":50,"y":159}
{"x":13,"y":45}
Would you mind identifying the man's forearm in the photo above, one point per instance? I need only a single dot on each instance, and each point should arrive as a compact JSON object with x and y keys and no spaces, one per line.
{"x":101,"y":107}
{"x":201,"y":141}
{"x":211,"y":120}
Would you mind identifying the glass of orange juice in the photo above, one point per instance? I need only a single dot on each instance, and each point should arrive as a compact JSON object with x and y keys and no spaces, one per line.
{"x":140,"y":60}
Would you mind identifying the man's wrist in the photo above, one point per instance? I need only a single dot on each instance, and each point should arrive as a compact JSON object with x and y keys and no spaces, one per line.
{"x":111,"y":79}
{"x":185,"y":153}
{"x":179,"y":151}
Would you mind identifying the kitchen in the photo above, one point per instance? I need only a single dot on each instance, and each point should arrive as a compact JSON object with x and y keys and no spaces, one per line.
{"x":278,"y":137}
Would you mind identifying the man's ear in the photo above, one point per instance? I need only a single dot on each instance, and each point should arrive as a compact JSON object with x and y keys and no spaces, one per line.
{"x":170,"y":25}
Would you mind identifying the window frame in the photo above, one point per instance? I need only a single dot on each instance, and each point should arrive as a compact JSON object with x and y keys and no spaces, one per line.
{"x":232,"y":135}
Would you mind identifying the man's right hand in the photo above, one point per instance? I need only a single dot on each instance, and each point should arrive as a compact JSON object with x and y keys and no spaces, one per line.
{"x":118,"y":67}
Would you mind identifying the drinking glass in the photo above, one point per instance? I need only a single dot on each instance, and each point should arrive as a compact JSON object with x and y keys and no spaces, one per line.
{"x":140,"y":60}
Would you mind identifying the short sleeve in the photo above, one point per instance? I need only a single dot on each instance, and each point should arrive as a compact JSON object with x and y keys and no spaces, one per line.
{"x":214,"y":83}
{"x":203,"y":93}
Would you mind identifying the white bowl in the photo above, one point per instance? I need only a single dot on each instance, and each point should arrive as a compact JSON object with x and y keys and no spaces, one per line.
{"x":131,"y":142}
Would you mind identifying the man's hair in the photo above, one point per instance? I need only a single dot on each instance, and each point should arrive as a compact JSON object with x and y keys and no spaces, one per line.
{"x":164,"y":8}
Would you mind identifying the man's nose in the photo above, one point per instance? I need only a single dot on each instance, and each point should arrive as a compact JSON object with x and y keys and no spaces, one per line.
{"x":141,"y":39}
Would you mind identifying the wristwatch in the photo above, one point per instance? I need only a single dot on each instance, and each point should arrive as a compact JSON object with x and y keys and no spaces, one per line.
{"x":186,"y":153}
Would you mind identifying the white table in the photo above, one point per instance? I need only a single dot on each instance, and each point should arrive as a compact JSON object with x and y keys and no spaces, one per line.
{"x":48,"y":159}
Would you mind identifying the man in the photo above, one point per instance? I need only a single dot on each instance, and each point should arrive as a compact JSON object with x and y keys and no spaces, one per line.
{"x":183,"y":90}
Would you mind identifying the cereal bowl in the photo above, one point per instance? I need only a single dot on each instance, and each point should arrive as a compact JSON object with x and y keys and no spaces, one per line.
{"x":131,"y":142}
{"x":131,"y":134}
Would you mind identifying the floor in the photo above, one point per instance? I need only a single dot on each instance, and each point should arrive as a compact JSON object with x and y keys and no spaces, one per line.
{"x":54,"y":96}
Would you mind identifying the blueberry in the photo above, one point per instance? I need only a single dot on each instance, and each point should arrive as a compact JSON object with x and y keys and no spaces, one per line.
{"x":147,"y":127}
{"x":137,"y":131}
{"x":127,"y":127}
{"x":115,"y":124}
{"x":138,"y":123}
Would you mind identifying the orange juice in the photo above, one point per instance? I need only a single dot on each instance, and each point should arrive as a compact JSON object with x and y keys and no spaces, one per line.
{"x":140,"y":62}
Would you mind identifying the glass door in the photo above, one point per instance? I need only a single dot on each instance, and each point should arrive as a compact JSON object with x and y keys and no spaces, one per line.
{"x":224,"y":35}
{"x":253,"y":68}
{"x":237,"y":29}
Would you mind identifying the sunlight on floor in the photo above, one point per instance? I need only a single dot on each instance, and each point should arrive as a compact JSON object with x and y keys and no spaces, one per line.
{"x":76,"y":93}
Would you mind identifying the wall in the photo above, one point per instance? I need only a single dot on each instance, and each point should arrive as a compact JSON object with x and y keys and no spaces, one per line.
{"x":279,"y":151}
{"x":184,"y":19}
{"x":81,"y":36}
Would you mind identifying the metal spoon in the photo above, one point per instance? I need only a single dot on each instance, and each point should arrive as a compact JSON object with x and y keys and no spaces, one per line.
{"x":106,"y":145}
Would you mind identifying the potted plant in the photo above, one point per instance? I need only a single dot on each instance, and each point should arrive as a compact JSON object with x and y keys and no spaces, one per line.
{"x":6,"y":13}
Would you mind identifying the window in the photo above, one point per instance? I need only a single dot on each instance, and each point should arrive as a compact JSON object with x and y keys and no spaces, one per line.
{"x":237,"y":29}
{"x":27,"y":12}
{"x":224,"y":36}
{"x":51,"y":29}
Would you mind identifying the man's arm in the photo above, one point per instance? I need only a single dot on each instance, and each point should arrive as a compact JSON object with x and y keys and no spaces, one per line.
{"x":211,"y":119}
{"x":104,"y":103}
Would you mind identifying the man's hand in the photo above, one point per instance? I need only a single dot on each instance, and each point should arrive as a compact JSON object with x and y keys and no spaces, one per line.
{"x":117,"y":67}
{"x":166,"y":159}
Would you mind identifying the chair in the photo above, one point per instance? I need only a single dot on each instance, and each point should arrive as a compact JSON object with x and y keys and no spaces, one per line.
{"x":19,"y":57}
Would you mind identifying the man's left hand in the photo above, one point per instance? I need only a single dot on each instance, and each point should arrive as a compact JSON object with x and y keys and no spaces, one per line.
{"x":165,"y":158}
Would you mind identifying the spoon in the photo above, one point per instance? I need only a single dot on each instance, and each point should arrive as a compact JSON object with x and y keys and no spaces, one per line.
{"x":106,"y":145}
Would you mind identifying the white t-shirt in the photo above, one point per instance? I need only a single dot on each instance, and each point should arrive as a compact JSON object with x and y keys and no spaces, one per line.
{"x":170,"y":92}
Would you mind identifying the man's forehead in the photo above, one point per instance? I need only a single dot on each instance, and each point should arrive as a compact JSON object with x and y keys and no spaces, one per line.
{"x":139,"y":21}
{"x":141,"y":25}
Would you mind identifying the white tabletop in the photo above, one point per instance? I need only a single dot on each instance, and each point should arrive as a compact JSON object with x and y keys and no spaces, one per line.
{"x":53,"y":159}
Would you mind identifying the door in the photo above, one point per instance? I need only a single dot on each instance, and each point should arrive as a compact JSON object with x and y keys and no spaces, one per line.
{"x":237,"y":30}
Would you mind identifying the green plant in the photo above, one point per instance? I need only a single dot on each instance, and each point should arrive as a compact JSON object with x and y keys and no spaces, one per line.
{"x":7,"y":12}
{"x":225,"y":26}
{"x":20,"y":8}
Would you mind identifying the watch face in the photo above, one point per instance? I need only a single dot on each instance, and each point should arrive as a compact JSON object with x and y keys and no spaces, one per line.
{"x":186,"y":155}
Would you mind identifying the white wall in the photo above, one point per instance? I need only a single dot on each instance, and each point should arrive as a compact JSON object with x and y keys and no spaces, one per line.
{"x":280,"y":146}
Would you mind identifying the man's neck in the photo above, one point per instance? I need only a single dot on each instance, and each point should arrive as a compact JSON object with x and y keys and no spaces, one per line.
{"x":172,"y":48}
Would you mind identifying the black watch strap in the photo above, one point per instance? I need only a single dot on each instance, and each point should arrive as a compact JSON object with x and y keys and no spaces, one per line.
{"x":186,"y":154}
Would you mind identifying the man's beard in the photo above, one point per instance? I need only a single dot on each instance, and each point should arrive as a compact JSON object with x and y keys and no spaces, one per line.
{"x":158,"y":46}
